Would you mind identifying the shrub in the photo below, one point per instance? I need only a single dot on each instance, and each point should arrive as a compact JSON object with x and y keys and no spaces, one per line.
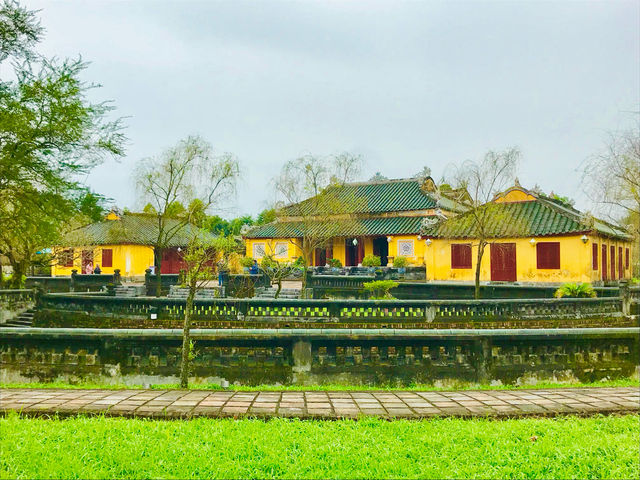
{"x":299,"y":262}
{"x":400,"y":262}
{"x":246,"y":262}
{"x":380,"y":289}
{"x":575,"y":290}
{"x":371,"y":261}
{"x":334,"y":262}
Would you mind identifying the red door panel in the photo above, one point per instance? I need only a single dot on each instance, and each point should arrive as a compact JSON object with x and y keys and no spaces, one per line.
{"x":503,"y":262}
{"x":604,"y":263}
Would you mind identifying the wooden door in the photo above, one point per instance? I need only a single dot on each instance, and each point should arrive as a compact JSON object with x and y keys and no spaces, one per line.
{"x":604,"y":262}
{"x":503,"y":262}
{"x":612,"y":262}
{"x":87,"y":261}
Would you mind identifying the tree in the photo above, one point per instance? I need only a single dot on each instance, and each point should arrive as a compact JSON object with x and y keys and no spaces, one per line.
{"x":612,"y":179}
{"x":179,"y":176}
{"x":276,"y":270}
{"x":49,"y":135}
{"x":268,"y":215}
{"x":483,"y":180}
{"x":199,"y":260}
{"x":312,"y":189}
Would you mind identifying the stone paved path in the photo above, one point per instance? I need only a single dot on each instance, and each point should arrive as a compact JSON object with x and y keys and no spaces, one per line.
{"x":314,"y":404}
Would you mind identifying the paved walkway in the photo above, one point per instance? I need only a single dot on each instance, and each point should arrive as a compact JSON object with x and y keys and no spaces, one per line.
{"x":185,"y":404}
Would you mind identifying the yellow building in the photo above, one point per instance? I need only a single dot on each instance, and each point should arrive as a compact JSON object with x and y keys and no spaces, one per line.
{"x":383,"y":218}
{"x":121,"y":242}
{"x":532,"y":238}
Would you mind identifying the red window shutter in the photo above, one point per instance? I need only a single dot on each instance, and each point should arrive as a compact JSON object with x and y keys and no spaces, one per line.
{"x":612,"y":262}
{"x":620,"y":269}
{"x":595,"y":256}
{"x":548,"y":255}
{"x":461,"y":255}
{"x":626,"y":254}
{"x":107,"y":257}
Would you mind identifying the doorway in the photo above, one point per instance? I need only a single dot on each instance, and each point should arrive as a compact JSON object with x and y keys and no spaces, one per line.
{"x":381,"y":249}
{"x":503,"y":262}
{"x":353,"y":254}
{"x":87,"y":261}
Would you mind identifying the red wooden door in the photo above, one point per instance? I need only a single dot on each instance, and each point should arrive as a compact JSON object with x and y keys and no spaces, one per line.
{"x":620,"y":268}
{"x":171,"y":261}
{"x":612,"y":262}
{"x":503,"y":262}
{"x":604,"y":262}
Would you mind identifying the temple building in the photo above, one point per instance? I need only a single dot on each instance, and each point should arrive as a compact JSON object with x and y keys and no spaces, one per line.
{"x":382,"y":218}
{"x":532,"y":238}
{"x":121,"y":241}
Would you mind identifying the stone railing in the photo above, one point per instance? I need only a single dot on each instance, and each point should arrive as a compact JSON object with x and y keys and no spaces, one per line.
{"x":166,"y":280}
{"x":93,"y":282}
{"x":50,"y":284}
{"x":339,"y":286}
{"x":58,"y":310}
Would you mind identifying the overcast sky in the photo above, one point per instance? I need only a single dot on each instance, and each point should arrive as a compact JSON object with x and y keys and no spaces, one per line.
{"x":405,"y":84}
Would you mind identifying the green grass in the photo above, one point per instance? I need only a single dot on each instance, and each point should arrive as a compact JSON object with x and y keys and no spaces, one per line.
{"x":624,"y":382}
{"x":83,"y":447}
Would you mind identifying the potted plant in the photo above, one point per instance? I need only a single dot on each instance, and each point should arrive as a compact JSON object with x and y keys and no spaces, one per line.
{"x":401,"y":264}
{"x":246,"y":263}
{"x":335,"y":265}
{"x":371,"y":261}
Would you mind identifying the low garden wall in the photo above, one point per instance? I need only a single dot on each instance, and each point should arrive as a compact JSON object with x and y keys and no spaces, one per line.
{"x":294,"y":356}
{"x":345,"y":287}
{"x":49,"y":284}
{"x":77,"y":311}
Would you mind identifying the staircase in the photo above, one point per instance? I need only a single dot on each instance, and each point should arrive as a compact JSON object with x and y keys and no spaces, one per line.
{"x":24,"y":320}
{"x":270,"y":292}
{"x":130,"y":291}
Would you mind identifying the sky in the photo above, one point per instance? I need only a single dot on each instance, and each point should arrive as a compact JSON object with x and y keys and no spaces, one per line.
{"x":404,"y":84}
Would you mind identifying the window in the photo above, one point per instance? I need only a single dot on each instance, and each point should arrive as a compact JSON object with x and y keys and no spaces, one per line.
{"x":461,"y":255}
{"x":66,"y":258}
{"x":626,"y":262}
{"x":548,"y":255}
{"x":595,"y":256}
{"x":281,"y":250}
{"x":258,"y":250}
{"x":405,"y":248}
{"x":107,"y":257}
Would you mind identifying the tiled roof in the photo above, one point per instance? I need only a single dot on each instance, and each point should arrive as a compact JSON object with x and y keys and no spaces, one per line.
{"x":131,"y":228}
{"x":366,"y":226}
{"x":399,"y":195}
{"x":540,"y":217}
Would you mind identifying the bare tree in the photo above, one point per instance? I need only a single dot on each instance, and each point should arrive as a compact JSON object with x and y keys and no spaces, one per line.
{"x":483,"y":180}
{"x":312,"y":189}
{"x":276,"y":270}
{"x":200,"y":264}
{"x":183,"y":174}
{"x":612,"y":179}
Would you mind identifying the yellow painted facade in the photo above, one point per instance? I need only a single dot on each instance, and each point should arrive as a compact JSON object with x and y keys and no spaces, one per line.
{"x":132,"y":260}
{"x":576,"y":260}
{"x":270,"y":246}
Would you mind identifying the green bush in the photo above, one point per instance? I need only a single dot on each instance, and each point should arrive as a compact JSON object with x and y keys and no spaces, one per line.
{"x":400,"y":262}
{"x":334,"y":263}
{"x":299,"y":262}
{"x":246,"y":262}
{"x":371,"y":261}
{"x":575,"y":290}
{"x":380,"y":289}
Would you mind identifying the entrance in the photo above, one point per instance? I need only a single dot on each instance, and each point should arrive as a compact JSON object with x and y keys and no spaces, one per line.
{"x":353,"y":254}
{"x":322,"y":255}
{"x":503,"y":262}
{"x":381,"y":249}
{"x":87,"y":261}
{"x":604,"y":263}
{"x":171,"y":261}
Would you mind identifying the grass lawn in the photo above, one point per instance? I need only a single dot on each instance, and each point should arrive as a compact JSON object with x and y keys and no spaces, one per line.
{"x":83,"y":447}
{"x":624,"y":382}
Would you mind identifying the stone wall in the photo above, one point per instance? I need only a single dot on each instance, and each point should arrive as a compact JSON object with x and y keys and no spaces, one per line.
{"x":373,"y":357}
{"x":15,"y":302}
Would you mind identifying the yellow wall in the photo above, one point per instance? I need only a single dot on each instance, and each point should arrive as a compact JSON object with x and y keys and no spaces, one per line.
{"x":418,"y":248}
{"x":140,"y":257}
{"x":293,"y":251}
{"x":575,"y":260}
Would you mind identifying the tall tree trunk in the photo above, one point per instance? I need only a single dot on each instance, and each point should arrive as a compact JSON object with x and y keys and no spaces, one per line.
{"x":279,"y":284}
{"x":157,"y":260}
{"x":186,"y":339}
{"x":19,"y":270}
{"x":481,"y":247}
